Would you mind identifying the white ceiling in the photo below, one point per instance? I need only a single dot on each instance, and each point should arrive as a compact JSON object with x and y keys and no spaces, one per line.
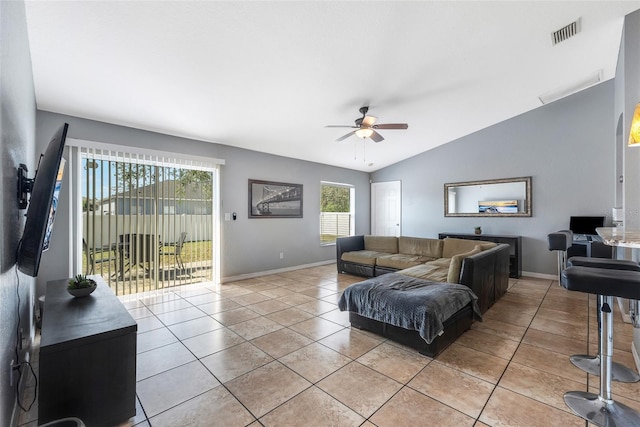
{"x":268,"y":76}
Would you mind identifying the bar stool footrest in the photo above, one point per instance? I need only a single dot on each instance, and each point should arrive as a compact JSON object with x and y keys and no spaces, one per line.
{"x":591,"y":365}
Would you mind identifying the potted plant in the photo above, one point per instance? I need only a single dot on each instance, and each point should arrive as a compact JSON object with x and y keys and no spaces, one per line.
{"x":478,"y":230}
{"x":81,"y":286}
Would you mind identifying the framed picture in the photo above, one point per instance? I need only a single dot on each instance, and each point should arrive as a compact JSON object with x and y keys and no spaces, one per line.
{"x":269,"y":199}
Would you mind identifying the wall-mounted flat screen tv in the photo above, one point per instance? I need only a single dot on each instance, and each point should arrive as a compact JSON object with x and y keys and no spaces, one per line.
{"x":42,"y":205}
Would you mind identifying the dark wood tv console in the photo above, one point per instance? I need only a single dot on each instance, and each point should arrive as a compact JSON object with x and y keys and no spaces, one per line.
{"x":515,"y":254}
{"x":87,"y":357}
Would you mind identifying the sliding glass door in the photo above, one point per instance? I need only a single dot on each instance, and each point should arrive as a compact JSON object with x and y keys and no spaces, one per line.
{"x":148,"y":222}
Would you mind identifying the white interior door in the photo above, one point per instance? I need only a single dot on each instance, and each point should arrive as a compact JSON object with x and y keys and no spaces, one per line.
{"x":386,"y":203}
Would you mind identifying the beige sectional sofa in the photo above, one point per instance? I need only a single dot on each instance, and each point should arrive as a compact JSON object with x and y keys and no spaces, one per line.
{"x":482,"y":266}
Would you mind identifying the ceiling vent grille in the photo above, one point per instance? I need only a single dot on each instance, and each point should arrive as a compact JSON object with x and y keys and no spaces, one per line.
{"x":565,"y":32}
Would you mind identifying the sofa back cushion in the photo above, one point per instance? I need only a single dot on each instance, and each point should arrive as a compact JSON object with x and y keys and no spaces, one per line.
{"x":454,"y":246}
{"x":387,"y":244}
{"x":455,"y":266}
{"x":420,"y":246}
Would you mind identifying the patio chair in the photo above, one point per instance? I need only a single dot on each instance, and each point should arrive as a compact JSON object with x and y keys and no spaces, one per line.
{"x":175,"y":249}
{"x":96,"y":255}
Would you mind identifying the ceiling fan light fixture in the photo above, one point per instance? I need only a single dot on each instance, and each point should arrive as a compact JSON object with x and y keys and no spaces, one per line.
{"x":364,"y":133}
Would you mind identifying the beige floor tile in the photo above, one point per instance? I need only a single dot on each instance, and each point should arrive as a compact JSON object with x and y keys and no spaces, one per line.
{"x":194,"y":327}
{"x":549,"y":361}
{"x":289,"y":316}
{"x":567,"y":305}
{"x":235,"y":361}
{"x":577,"y":332}
{"x":520,"y":299}
{"x":173,"y":305}
{"x":207,"y":298}
{"x":269,"y":306}
{"x":295,"y":298}
{"x":219,"y":306}
{"x":161,"y":359}
{"x":154,"y":339}
{"x":276,"y":292}
{"x":172,"y":317}
{"x":509,"y":315}
{"x":267,"y":387}
{"x":360,"y":388}
{"x":564,"y":317}
{"x":249,"y":299}
{"x":216,"y":406}
{"x":168,"y":389}
{"x":317,"y":307}
{"x":318,"y":292}
{"x":254,"y":328}
{"x":314,"y":362}
{"x":316,"y":328}
{"x":553,"y":342}
{"x":499,"y":328}
{"x":394,"y":362}
{"x":337,"y":316}
{"x":148,"y":324}
{"x":466,"y":393}
{"x":236,"y":315}
{"x":410,"y":408}
{"x":281,"y":342}
{"x":482,"y":365}
{"x":489,"y":343}
{"x":541,"y":386}
{"x":507,"y":409}
{"x":312,"y":407}
{"x":208,"y":343}
{"x":351,"y":342}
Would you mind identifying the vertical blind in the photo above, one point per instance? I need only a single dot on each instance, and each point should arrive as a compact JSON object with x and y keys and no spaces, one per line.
{"x":148,"y":220}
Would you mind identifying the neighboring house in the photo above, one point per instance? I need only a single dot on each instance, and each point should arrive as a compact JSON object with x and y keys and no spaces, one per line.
{"x":166,"y":197}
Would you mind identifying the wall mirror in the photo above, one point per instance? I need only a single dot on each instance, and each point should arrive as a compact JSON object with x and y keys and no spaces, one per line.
{"x":495,"y":197}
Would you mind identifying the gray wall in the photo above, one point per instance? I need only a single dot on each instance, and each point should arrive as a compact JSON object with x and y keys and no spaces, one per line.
{"x":247,"y":245}
{"x":17,"y":126}
{"x":566,"y":146}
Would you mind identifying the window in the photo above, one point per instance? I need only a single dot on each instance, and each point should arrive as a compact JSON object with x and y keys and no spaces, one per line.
{"x":337,"y":207}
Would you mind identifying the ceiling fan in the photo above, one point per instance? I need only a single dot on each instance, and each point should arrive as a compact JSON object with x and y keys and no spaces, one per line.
{"x":366,"y":128}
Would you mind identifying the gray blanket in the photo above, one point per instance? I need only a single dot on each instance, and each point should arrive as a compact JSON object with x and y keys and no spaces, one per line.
{"x":408,"y":302}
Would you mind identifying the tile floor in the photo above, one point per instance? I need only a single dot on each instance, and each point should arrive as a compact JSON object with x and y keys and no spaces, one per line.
{"x":276,"y":351}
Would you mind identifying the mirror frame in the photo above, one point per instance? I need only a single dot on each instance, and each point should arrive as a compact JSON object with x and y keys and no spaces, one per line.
{"x":527,"y":209}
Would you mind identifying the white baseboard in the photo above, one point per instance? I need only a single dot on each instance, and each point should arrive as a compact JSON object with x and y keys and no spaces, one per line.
{"x":279,"y":270}
{"x":538,"y":275}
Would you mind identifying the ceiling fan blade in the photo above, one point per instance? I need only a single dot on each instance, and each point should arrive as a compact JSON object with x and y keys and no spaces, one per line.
{"x":368,"y":121}
{"x":376,"y":137}
{"x":392,"y":126}
{"x":341,"y":126}
{"x":343,"y":137}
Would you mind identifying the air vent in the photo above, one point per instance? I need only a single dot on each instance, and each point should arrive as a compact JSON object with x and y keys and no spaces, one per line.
{"x":565,"y":32}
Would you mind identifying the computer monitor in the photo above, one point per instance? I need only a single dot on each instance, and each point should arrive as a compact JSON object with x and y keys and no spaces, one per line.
{"x":585,"y":224}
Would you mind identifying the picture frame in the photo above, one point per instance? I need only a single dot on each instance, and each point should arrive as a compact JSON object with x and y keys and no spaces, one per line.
{"x":270,"y":199}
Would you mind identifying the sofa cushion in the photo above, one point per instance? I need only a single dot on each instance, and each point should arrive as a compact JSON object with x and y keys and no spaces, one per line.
{"x":400,"y":261}
{"x":363,"y":257}
{"x":388,"y":244}
{"x":431,"y":248}
{"x":454,"y":246}
{"x":453,"y":276}
{"x":430,"y":271}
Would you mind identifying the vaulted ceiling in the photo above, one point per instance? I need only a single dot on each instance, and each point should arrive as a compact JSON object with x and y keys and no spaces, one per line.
{"x":269,"y":75}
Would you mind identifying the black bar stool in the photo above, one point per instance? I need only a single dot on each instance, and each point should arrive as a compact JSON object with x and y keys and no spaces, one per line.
{"x":601,"y":409}
{"x":560,"y":241}
{"x":586,"y":362}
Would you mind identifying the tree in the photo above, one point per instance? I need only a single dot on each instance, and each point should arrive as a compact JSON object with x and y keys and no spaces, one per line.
{"x":334,"y":198}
